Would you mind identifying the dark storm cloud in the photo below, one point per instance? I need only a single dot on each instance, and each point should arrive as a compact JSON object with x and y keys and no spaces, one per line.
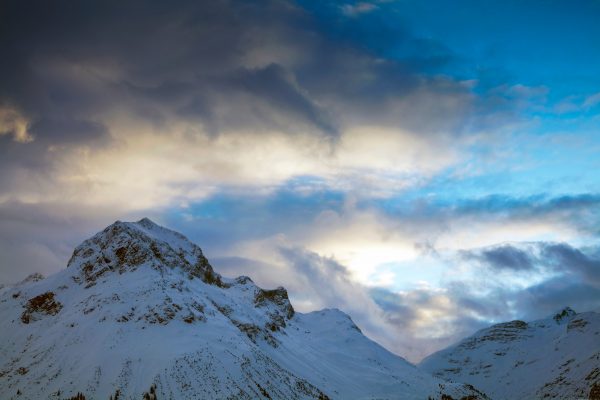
{"x":503,"y":257}
{"x":209,"y":61}
{"x":565,"y":258}
{"x":267,"y":98}
{"x":65,"y":130}
{"x":554,"y":294}
{"x":562,"y":258}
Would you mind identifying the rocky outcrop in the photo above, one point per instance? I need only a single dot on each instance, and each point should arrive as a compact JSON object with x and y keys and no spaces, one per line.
{"x":125,"y":246}
{"x":43,"y":304}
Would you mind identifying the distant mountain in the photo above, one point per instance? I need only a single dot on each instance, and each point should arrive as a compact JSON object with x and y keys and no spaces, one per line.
{"x":553,"y":358}
{"x":140,"y":313}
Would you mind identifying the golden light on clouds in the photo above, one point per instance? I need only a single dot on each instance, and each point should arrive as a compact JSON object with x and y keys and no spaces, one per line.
{"x":14,"y":123}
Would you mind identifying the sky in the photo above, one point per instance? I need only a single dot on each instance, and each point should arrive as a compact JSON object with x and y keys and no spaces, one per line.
{"x":428,"y":167}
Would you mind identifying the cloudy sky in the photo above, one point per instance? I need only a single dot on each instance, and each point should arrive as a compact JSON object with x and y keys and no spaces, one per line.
{"x":429,"y":167}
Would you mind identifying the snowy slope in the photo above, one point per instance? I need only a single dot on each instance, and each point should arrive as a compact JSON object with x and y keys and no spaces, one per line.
{"x":556,"y":357}
{"x":140,"y":306}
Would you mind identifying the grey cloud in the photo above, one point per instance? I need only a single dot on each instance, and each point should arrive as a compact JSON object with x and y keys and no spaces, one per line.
{"x":579,"y":211}
{"x":42,"y":239}
{"x":565,"y":258}
{"x":254,"y":99}
{"x":554,"y":294}
{"x":397,"y":320}
{"x":65,"y":130}
{"x":231,"y":64}
{"x":462,"y":309}
{"x":529,"y":206}
{"x":455,"y":321}
{"x":318,"y":282}
{"x":327,"y":280}
{"x":503,"y":257}
{"x":76,"y":70}
{"x":560,"y":258}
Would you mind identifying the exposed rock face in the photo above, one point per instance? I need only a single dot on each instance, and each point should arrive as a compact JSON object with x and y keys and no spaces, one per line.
{"x":279,"y":297}
{"x":43,"y":304}
{"x":140,"y":307}
{"x":505,"y":332}
{"x":565,"y":314}
{"x":594,"y":392}
{"x":124,"y":247}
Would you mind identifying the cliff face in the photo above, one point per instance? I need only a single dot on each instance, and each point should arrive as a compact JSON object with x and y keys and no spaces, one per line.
{"x":140,"y":308}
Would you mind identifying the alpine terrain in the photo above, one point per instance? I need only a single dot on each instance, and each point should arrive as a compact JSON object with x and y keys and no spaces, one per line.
{"x":140,"y":313}
{"x":557,"y":358}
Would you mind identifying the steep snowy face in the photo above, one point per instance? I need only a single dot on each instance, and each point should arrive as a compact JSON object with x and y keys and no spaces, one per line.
{"x":556,"y":357}
{"x":140,"y":308}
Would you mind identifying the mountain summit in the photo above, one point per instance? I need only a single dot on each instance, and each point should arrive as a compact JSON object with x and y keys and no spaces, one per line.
{"x":125,"y":246}
{"x":140,"y":312}
{"x":556,"y":357}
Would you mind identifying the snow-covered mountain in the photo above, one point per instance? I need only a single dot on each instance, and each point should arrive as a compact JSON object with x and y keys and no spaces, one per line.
{"x":140,"y":312}
{"x":557,"y":358}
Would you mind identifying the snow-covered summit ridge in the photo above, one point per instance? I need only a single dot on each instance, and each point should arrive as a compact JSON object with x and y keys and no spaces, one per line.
{"x":126,"y":246}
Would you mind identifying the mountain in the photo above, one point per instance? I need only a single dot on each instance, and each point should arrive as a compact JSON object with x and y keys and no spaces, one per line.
{"x":556,"y":358}
{"x":139,"y":312}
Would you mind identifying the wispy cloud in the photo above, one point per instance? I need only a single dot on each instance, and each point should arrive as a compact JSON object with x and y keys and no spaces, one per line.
{"x":353,"y":10}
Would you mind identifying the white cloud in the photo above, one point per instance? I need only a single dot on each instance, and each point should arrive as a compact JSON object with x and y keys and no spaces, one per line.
{"x":591,"y":101}
{"x":353,"y":10}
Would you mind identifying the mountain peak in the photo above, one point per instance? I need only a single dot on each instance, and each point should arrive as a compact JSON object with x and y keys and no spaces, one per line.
{"x":126,"y":246}
{"x":564,"y":314}
{"x":156,"y":326}
{"x":147,"y":222}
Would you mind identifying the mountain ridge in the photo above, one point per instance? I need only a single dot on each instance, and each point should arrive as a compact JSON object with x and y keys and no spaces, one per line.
{"x":553,"y":357}
{"x":139,"y":306}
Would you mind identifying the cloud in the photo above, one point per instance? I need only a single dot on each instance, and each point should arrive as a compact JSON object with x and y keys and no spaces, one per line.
{"x":34,"y":239}
{"x":352,"y":10}
{"x":540,"y":257}
{"x":15,"y":124}
{"x":591,"y":101}
{"x":521,"y":280}
{"x":234,"y":99}
{"x":504,"y":257}
{"x":565,"y":258}
{"x":315,"y":282}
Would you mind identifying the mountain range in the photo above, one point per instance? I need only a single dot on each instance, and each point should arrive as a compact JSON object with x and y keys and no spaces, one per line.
{"x":139,"y":312}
